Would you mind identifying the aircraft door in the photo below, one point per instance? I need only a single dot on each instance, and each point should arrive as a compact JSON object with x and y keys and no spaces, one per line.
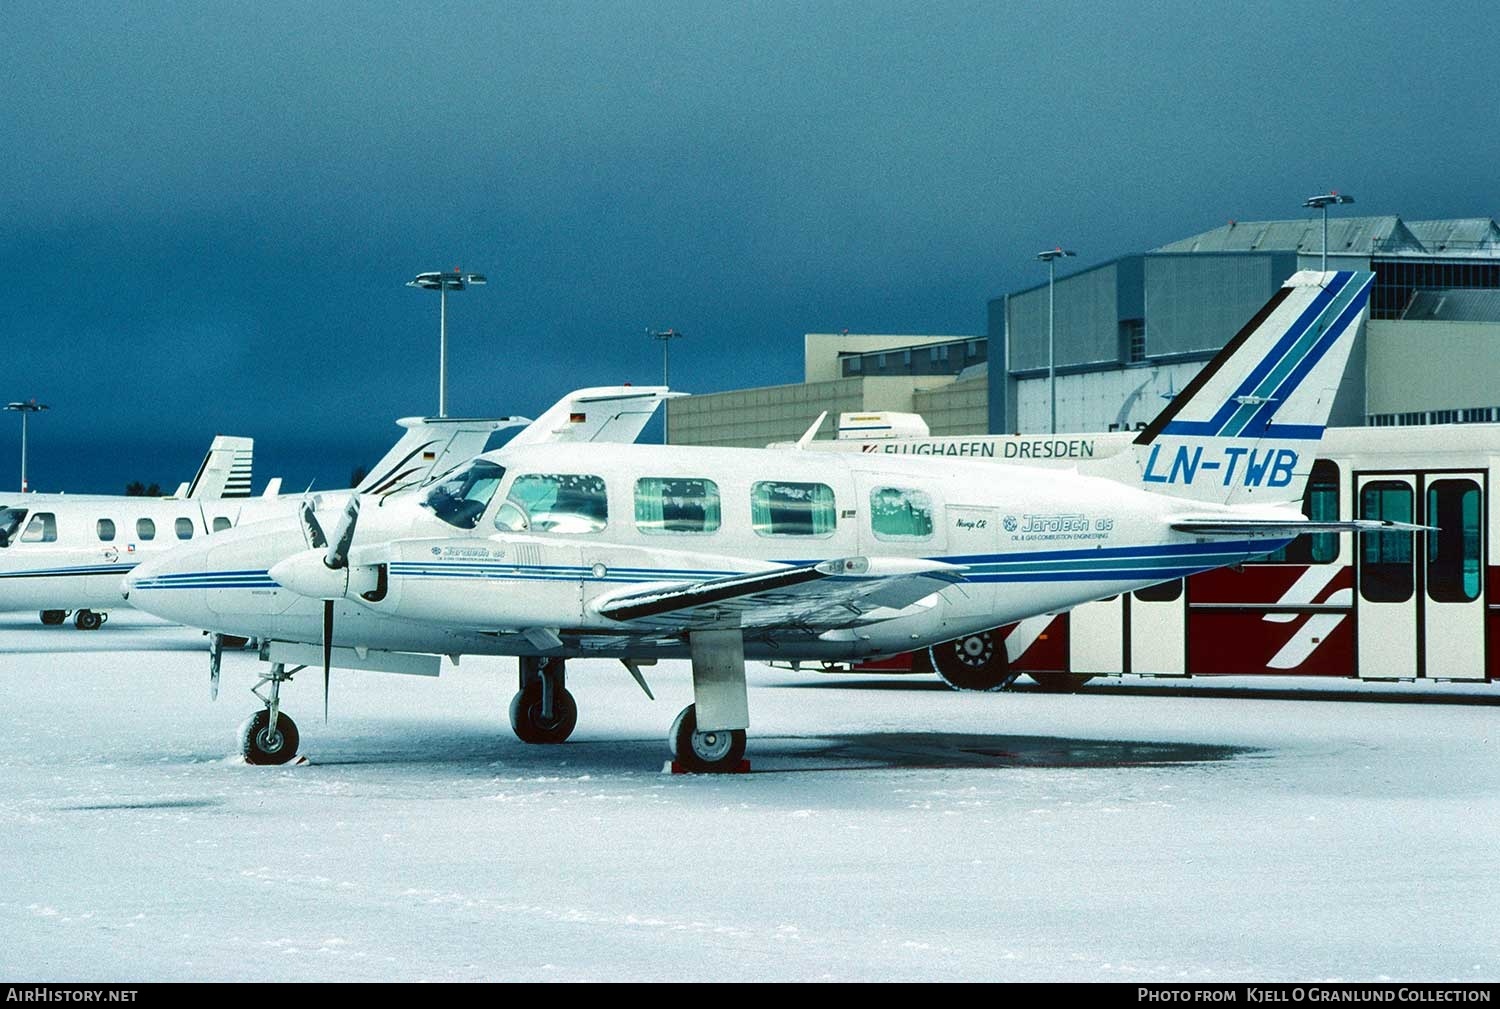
{"x":1452,"y":604}
{"x":1387,"y":597}
{"x":902,"y":519}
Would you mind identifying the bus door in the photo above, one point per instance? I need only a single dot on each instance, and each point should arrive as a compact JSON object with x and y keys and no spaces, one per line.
{"x":1452,"y":601}
{"x":1386,"y":576}
{"x":1096,"y":637}
{"x":1158,"y":630}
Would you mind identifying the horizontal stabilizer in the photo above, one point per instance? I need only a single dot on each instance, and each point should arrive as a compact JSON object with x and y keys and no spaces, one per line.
{"x":1215,"y":525}
{"x":613,"y":413}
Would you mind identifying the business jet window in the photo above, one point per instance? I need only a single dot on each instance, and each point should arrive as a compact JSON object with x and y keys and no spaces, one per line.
{"x":10,"y":524}
{"x":145,"y":529}
{"x":554,"y":503}
{"x":897,"y":513}
{"x":184,"y":528}
{"x":462,"y":496}
{"x":41,"y":529}
{"x":221,"y":523}
{"x":673,"y":505}
{"x":106,"y":528}
{"x":792,"y":509}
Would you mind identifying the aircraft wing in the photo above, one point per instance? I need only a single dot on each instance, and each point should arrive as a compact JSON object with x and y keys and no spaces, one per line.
{"x":831,"y":594}
{"x":1217,"y":525}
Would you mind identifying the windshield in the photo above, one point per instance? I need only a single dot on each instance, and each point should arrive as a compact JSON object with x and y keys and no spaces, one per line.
{"x":461,"y":497}
{"x":10,"y":521}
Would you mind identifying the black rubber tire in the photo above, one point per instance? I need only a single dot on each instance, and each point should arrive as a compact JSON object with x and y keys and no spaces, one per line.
{"x":257,"y":749}
{"x":1054,"y":682}
{"x":972,"y":662}
{"x":87,"y":620}
{"x":526,"y":716}
{"x":705,"y":752}
{"x":53,"y":618}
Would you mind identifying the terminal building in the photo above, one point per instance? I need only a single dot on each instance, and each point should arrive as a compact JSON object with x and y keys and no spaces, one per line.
{"x":1131,"y":332}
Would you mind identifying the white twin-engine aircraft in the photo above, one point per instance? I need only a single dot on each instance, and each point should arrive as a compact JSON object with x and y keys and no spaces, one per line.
{"x":640,"y":552}
{"x":65,"y":552}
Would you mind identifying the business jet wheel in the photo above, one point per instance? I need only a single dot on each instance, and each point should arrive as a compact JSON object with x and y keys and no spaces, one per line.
{"x":705,"y":752}
{"x":54,"y":617}
{"x":530,"y":726}
{"x":262,"y":746}
{"x":973,"y":662}
{"x":1060,"y":683}
{"x":87,"y":620}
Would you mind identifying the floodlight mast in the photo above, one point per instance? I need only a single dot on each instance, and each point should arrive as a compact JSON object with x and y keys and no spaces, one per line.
{"x":1322,"y":203}
{"x":1050,"y":257}
{"x":666,"y":336}
{"x":25,"y":409}
{"x":443,"y":282}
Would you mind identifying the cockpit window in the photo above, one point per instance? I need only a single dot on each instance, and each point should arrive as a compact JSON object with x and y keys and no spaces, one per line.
{"x":41,"y":529}
{"x":462,"y":496}
{"x":554,"y":503}
{"x":10,"y":524}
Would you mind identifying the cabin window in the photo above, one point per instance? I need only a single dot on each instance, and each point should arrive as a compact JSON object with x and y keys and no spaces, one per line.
{"x":10,"y":524}
{"x":1455,"y":548}
{"x":41,"y":529}
{"x":676,"y":505}
{"x":184,"y":528}
{"x":106,"y":529}
{"x":555,"y":503}
{"x":462,"y":496}
{"x":145,"y":529}
{"x":898,"y":513}
{"x":1385,"y":561}
{"x":1320,"y":502}
{"x":221,"y":522}
{"x":1164,"y":592}
{"x":792,"y":509}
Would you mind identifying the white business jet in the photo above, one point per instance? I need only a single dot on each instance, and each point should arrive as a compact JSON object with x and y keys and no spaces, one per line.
{"x":549,"y":552}
{"x":65,"y":552}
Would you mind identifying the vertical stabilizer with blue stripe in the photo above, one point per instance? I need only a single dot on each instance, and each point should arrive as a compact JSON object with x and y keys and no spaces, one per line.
{"x":1247,"y":428}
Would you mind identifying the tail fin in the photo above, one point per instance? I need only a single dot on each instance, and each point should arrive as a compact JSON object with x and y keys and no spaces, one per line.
{"x":1246,"y":428}
{"x":612,"y":413}
{"x":431,"y":445}
{"x":226,"y":469}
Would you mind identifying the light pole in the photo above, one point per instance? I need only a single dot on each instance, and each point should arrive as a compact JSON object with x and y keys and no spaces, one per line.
{"x":443,"y":283}
{"x":1050,"y":257}
{"x":25,"y":409}
{"x":666,"y":336}
{"x":1322,"y":203}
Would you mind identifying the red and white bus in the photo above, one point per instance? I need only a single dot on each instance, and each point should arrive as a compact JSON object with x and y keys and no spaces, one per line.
{"x":1379,"y":606}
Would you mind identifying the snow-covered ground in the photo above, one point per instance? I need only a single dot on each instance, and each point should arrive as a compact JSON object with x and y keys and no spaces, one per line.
{"x":891,"y":829}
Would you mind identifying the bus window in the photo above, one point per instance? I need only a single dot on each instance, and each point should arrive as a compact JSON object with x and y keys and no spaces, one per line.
{"x":897,"y":513}
{"x":555,"y":503}
{"x":1320,"y":502}
{"x":1385,"y":574}
{"x":676,"y":505}
{"x":145,"y":529}
{"x":1454,"y":549}
{"x":106,"y":528}
{"x":792,"y":509}
{"x":184,"y":528}
{"x":221,"y":522}
{"x":10,"y":524}
{"x":1166,"y":592}
{"x":41,"y":529}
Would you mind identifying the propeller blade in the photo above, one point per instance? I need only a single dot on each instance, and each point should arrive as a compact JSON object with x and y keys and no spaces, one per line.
{"x":338,"y":549}
{"x":311,"y":530}
{"x":327,"y":650}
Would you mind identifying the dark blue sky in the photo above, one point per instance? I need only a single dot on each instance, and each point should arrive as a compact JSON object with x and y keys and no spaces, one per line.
{"x":208,"y":211}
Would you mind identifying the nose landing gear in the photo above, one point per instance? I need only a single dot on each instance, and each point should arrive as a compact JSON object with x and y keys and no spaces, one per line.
{"x":268,"y":736}
{"x":542,"y":711}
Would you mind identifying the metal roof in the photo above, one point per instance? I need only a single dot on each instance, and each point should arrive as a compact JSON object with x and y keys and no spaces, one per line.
{"x":1347,"y":236}
{"x":1463,"y":236}
{"x":1455,"y":305}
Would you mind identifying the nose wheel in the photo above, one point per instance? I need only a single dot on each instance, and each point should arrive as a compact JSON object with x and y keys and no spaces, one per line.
{"x":543,"y":711}
{"x":268,"y":736}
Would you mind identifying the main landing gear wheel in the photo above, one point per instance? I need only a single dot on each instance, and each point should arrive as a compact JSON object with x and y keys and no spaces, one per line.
{"x":263,"y":745}
{"x":1060,"y":683}
{"x":973,"y":662}
{"x":718,"y":751}
{"x":531,"y":725}
{"x":54,"y":617}
{"x":87,"y":620}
